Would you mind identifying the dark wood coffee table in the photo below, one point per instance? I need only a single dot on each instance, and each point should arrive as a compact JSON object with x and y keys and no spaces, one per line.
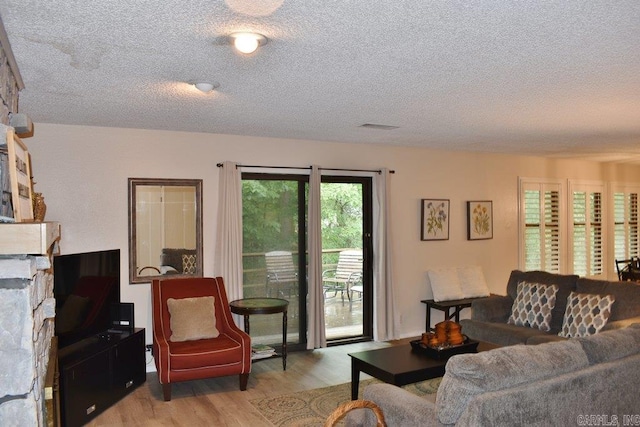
{"x":398,"y":365}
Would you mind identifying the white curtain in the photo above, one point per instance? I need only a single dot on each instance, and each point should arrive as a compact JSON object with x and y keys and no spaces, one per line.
{"x":385,"y":327}
{"x":228,"y":255}
{"x":316,"y":336}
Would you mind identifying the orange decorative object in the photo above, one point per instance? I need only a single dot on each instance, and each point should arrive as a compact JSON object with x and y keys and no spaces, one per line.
{"x":449,"y":332}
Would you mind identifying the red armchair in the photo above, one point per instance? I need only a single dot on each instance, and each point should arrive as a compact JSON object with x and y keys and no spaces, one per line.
{"x":227,"y":354}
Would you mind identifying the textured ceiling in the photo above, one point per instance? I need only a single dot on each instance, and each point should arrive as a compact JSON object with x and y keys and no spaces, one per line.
{"x":554,"y":78}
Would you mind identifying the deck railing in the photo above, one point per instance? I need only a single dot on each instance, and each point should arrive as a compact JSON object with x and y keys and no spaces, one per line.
{"x":255,"y":271}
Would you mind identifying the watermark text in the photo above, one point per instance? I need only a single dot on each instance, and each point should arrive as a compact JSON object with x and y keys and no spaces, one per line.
{"x":608,"y":420}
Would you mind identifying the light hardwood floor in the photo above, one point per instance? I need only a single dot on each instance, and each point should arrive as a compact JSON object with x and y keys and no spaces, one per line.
{"x":219,"y":401}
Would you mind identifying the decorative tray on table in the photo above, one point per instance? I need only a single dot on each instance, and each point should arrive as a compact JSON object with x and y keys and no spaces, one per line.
{"x":445,"y":351}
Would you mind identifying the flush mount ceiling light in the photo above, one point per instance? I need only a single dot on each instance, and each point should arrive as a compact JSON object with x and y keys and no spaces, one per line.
{"x":247,"y":42}
{"x":206,"y":87}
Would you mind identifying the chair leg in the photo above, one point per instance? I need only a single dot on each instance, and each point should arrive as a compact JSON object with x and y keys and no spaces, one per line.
{"x":166,"y":391}
{"x":345,"y":291}
{"x":244,"y":379}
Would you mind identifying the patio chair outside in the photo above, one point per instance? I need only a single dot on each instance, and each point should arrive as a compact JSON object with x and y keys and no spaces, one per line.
{"x":346,"y":275}
{"x":282,"y":275}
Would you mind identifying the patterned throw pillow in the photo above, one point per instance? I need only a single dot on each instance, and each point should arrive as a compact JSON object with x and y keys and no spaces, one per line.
{"x":586,"y":314}
{"x":188,"y":264}
{"x":533,"y":305}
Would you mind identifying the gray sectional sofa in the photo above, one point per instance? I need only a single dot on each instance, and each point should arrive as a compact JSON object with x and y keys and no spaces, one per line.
{"x":572,"y":382}
{"x":489,"y":315}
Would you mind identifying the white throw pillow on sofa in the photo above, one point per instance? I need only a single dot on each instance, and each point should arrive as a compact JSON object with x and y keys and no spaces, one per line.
{"x":472,"y":282}
{"x":445,"y":284}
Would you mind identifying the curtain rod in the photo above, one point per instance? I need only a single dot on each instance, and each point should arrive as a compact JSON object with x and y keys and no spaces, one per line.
{"x":306,"y":167}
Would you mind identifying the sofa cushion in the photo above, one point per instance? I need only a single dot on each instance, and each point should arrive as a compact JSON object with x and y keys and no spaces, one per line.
{"x":612,"y":345}
{"x":598,"y":395}
{"x":499,"y":333}
{"x":468,"y":375}
{"x":199,"y":354}
{"x":399,"y":407}
{"x":533,"y":305}
{"x":619,"y":324}
{"x":565,"y":283}
{"x":494,"y":308}
{"x":544,"y":338}
{"x":445,"y":284}
{"x":627,"y":295}
{"x":472,"y":282}
{"x":192,"y":318}
{"x":586,"y":314}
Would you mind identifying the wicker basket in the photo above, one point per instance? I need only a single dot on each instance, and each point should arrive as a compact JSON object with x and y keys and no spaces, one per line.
{"x":342,"y":410}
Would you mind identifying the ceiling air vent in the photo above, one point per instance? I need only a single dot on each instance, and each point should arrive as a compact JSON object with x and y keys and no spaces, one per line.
{"x":379,"y":127}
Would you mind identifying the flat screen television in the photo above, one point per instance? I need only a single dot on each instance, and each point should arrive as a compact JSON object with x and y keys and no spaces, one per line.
{"x":85,"y":285}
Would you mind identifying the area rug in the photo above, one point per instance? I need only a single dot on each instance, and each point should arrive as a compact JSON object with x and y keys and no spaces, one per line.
{"x":312,"y":407}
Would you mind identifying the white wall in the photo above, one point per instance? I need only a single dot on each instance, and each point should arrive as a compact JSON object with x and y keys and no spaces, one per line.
{"x":82,"y":172}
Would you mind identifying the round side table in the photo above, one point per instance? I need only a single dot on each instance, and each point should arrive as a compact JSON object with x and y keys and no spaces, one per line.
{"x":249,"y":306}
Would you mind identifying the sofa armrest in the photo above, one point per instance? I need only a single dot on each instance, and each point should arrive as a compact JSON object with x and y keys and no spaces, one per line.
{"x":619,"y":324}
{"x":494,"y":308}
{"x":399,"y":407}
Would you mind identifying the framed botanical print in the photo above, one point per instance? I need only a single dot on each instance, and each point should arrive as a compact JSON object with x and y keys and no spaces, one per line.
{"x":479,"y":220}
{"x":435,"y":219}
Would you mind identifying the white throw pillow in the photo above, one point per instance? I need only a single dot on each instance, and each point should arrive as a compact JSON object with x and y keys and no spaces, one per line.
{"x":445,"y":284}
{"x":472,"y":282}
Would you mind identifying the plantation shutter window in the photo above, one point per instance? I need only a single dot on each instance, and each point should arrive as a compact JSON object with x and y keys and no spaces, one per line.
{"x":541,"y":219}
{"x":587,"y":231}
{"x":625,"y":222}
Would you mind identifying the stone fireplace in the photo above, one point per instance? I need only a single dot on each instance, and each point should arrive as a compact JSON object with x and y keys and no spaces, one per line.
{"x":27,"y":307}
{"x":27,"y":310}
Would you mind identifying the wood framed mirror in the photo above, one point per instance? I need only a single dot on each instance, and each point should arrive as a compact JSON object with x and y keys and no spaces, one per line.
{"x":165,"y":228}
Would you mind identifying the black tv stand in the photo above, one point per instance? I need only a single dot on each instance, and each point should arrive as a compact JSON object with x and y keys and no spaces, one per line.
{"x":110,"y":334}
{"x":98,"y":371}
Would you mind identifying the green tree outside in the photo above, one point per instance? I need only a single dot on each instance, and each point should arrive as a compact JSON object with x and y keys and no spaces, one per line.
{"x":270,"y":218}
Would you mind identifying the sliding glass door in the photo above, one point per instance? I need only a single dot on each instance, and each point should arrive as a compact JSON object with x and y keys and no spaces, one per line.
{"x":275,"y":258}
{"x":346,"y":250}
